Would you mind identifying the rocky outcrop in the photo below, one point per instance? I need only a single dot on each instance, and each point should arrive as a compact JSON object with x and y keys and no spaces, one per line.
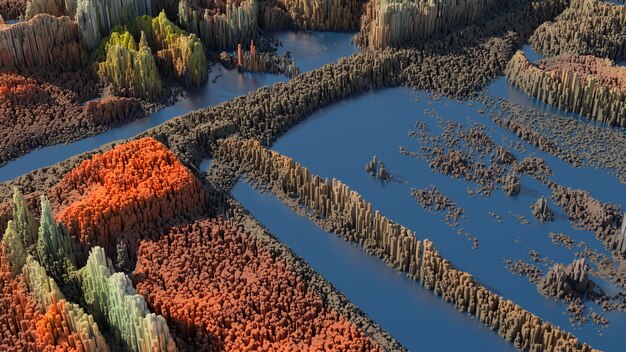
{"x":178,"y":54}
{"x":43,"y":41}
{"x":434,"y":201}
{"x":586,"y":27}
{"x":541,"y":211}
{"x":221,"y":288}
{"x":592,"y":87}
{"x":315,"y":15}
{"x":64,"y":324}
{"x":67,"y":327}
{"x":55,"y":249}
{"x":130,"y":68}
{"x":400,"y":22}
{"x":19,"y":311}
{"x":12,"y":9}
{"x":220,"y":24}
{"x":113,"y":299}
{"x":511,"y":184}
{"x":480,"y":52}
{"x":96,"y":18}
{"x":377,"y":169}
{"x":55,"y":8}
{"x":344,"y":212}
{"x":561,"y":281}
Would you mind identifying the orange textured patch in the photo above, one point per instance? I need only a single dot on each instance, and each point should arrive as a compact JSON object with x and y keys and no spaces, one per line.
{"x":136,"y":188}
{"x":54,"y":333}
{"x":220,"y":289}
{"x":18,"y":312}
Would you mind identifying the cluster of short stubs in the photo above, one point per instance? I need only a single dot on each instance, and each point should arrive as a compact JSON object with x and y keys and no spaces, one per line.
{"x":354,"y":219}
{"x":578,"y":74}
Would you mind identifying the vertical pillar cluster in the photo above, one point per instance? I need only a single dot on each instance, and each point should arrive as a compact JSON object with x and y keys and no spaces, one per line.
{"x":252,"y":60}
{"x":131,"y":192}
{"x":591,"y":87}
{"x":43,"y":41}
{"x":220,"y":24}
{"x":96,"y":18}
{"x":113,"y":299}
{"x":399,"y":22}
{"x":586,"y":27}
{"x":55,"y":8}
{"x":315,"y":15}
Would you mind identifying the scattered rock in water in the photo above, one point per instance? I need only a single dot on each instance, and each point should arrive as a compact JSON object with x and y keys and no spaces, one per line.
{"x":377,"y":169}
{"x":562,"y":281}
{"x":541,"y":211}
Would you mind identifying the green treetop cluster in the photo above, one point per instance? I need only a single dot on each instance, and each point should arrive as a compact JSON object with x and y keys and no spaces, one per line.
{"x":178,"y":53}
{"x":130,"y":68}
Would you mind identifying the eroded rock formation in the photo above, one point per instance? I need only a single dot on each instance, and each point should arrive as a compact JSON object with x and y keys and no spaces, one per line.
{"x":511,"y":184}
{"x":112,"y":110}
{"x":592,"y":87}
{"x":220,"y":24}
{"x":620,"y":242}
{"x":400,"y":22}
{"x":561,"y":281}
{"x":113,"y":299}
{"x":19,"y":311}
{"x":604,"y":220}
{"x":315,"y":15}
{"x":96,"y":18}
{"x":377,"y":169}
{"x":178,"y":53}
{"x":541,"y":211}
{"x":252,"y":60}
{"x":66,"y":327}
{"x":434,"y":201}
{"x":586,"y":27}
{"x":12,"y":9}
{"x":43,"y":41}
{"x":55,"y":8}
{"x":45,"y":107}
